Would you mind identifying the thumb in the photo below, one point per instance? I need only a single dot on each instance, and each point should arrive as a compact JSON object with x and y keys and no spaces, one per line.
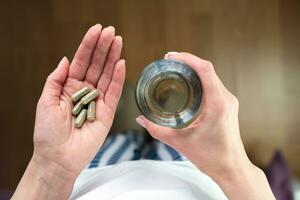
{"x":161,"y":133}
{"x":55,"y":82}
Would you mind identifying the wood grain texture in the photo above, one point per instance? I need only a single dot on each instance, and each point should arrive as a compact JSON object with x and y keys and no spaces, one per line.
{"x":253,"y":44}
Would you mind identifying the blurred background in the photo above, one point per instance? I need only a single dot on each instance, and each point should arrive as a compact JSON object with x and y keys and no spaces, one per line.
{"x":254,"y":45}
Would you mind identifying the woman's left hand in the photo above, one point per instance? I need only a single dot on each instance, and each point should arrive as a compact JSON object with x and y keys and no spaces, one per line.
{"x":61,"y":151}
{"x":96,"y":64}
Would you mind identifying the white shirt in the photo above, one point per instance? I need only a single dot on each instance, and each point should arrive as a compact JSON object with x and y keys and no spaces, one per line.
{"x":145,"y":180}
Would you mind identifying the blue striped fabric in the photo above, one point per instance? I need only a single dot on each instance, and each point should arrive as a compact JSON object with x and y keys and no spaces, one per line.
{"x":152,"y":154}
{"x":132,"y":145}
{"x":102,"y":150}
{"x":117,"y":155}
{"x":137,"y":152}
{"x":175,"y":155}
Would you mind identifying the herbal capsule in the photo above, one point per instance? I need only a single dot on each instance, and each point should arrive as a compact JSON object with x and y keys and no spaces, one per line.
{"x":91,"y":112}
{"x":80,"y":94}
{"x":77,"y":108}
{"x":90,"y":97}
{"x":80,"y":118}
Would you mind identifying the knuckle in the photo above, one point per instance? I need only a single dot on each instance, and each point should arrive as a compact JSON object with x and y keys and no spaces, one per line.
{"x":208,"y":66}
{"x":227,"y":105}
{"x":221,"y":108}
{"x":234,"y":101}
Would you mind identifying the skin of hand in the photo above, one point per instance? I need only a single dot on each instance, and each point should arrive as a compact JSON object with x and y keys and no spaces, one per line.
{"x":61,"y":151}
{"x":212,"y":142}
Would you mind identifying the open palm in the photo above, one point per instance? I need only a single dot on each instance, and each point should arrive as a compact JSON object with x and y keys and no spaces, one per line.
{"x":96,"y":64}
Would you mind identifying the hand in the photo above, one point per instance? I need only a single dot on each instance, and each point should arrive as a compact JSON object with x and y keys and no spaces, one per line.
{"x":60,"y":150}
{"x":212,"y":142}
{"x":96,"y":64}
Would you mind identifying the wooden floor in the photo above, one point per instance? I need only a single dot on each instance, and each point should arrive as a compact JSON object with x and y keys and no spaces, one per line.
{"x":254,"y":45}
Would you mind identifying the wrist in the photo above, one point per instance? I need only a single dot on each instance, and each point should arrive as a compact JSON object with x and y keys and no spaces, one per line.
{"x":244,"y":181}
{"x":50,"y":173}
{"x":52,"y":176}
{"x":234,"y":170}
{"x":39,"y":182}
{"x":236,"y":173}
{"x":52,"y":168}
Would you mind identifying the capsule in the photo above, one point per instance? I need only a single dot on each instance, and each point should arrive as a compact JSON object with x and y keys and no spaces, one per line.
{"x":80,"y":118}
{"x":80,"y":93}
{"x":77,"y":108}
{"x":90,"y":96}
{"x":91,"y":112}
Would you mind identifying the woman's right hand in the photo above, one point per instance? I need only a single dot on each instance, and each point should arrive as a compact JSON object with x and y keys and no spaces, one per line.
{"x":212,"y":142}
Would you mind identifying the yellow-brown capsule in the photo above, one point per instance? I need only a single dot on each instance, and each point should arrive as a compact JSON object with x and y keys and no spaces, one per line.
{"x":91,"y":112}
{"x":80,"y":118}
{"x":90,"y":96}
{"x":80,"y":93}
{"x":77,"y":108}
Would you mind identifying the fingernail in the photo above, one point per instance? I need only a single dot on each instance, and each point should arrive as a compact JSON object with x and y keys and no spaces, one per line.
{"x":120,"y":37}
{"x":112,"y":29}
{"x":121,"y":62}
{"x":171,"y":54}
{"x":140,"y":121}
{"x":98,"y":25}
{"x":62,"y":60}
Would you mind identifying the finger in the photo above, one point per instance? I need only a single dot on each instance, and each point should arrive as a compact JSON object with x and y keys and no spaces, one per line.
{"x":158,"y":132}
{"x":55,"y":82}
{"x":113,"y":56}
{"x":100,"y":54}
{"x":82,"y":57}
{"x":170,"y":54}
{"x":211,"y":84}
{"x":114,"y":91}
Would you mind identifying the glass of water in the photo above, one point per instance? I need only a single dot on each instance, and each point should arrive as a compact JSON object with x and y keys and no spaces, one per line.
{"x":169,"y":93}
